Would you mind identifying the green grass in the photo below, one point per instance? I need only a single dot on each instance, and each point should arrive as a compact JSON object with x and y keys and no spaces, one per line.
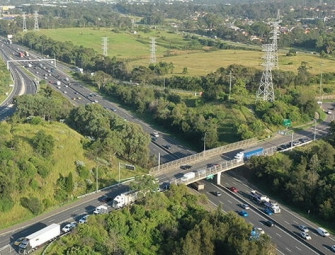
{"x":136,"y":49}
{"x":67,"y":150}
{"x":5,"y":81}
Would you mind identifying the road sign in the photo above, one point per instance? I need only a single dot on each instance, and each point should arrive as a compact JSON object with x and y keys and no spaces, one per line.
{"x":287,"y":122}
{"x":210,"y":177}
{"x":130,"y":167}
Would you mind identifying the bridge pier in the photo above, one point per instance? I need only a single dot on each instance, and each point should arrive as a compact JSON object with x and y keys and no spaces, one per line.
{"x":218,"y":178}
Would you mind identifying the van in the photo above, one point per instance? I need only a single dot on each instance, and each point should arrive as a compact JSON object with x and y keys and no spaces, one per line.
{"x":322,"y":232}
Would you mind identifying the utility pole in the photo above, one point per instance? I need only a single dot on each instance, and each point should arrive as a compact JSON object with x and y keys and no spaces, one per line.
{"x":159,"y":161}
{"x":97,"y":178}
{"x":105,"y":46}
{"x":119,"y":173}
{"x":314,"y":129}
{"x":36,"y":27}
{"x":229,"y":85}
{"x":24,"y":28}
{"x":265,"y":90}
{"x":292,"y":140}
{"x":205,"y":143}
{"x":153,"y":51}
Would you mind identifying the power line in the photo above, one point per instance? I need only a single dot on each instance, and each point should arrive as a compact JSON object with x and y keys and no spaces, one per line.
{"x":105,"y":46}
{"x":265,"y":91}
{"x":153,"y":51}
{"x":36,"y":27}
{"x":24,"y":28}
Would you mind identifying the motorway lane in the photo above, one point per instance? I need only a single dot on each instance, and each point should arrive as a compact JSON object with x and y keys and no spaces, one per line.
{"x":286,"y":244}
{"x":63,"y":216}
{"x":286,"y":218}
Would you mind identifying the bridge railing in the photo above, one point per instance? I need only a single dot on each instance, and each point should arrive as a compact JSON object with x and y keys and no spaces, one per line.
{"x":224,"y":166}
{"x":200,"y":156}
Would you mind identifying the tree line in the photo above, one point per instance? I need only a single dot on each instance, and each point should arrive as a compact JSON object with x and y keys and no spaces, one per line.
{"x":172,"y":222}
{"x":303,"y":178}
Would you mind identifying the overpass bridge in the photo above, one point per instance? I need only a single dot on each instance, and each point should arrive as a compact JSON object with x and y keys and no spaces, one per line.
{"x":218,"y":169}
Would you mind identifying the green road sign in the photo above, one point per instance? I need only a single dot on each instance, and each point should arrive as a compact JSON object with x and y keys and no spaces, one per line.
{"x":287,"y":122}
{"x":210,"y":177}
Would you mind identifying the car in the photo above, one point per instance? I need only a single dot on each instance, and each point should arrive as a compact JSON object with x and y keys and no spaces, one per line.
{"x":65,"y":92}
{"x":332,"y":248}
{"x":268,"y":211}
{"x":329,"y":112}
{"x":269,"y":223}
{"x":305,"y":235}
{"x":217,"y":193}
{"x":83,"y":219}
{"x":212,"y":165}
{"x":167,"y":146}
{"x":19,"y":241}
{"x":113,"y":109}
{"x":322,"y":232}
{"x":185,"y":167}
{"x":105,"y":199}
{"x":233,"y":189}
{"x":155,"y":134}
{"x":303,"y":228}
{"x":245,"y":206}
{"x":96,"y":101}
{"x":259,"y":230}
{"x":153,"y":139}
{"x":67,"y":228}
{"x":243,"y":213}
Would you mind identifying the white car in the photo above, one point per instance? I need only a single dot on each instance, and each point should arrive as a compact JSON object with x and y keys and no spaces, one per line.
{"x":259,"y":230}
{"x":83,"y":219}
{"x":332,"y":248}
{"x":69,"y":227}
{"x":305,"y":236}
{"x":303,"y":228}
{"x":245,"y":206}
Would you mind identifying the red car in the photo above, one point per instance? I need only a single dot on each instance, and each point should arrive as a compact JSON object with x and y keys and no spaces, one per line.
{"x":233,"y":189}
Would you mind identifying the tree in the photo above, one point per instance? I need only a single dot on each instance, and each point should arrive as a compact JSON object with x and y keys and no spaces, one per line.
{"x":43,"y":143}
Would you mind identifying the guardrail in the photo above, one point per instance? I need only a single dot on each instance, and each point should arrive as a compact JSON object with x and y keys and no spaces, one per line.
{"x":225,"y":166}
{"x":200,"y":156}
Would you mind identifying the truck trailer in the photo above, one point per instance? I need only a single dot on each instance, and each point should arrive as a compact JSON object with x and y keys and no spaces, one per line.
{"x":124,"y":199}
{"x":198,"y":185}
{"x":244,"y":155}
{"x":40,"y":237}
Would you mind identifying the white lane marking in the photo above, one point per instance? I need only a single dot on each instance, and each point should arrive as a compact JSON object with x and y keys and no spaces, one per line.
{"x":258,"y":213}
{"x":298,"y":248}
{"x":278,"y":234}
{"x":295,"y":222}
{"x":227,"y":183}
{"x":288,"y":249}
{"x":237,"y":180}
{"x":287,"y":222}
{"x":230,"y":202}
{"x":49,"y":221}
{"x":280,"y":252}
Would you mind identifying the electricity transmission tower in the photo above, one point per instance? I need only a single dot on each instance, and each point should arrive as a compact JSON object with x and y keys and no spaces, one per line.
{"x":265,"y":91}
{"x":274,"y":38}
{"x":36,"y":21}
{"x":24,"y":22}
{"x":105,"y":46}
{"x":153,"y":51}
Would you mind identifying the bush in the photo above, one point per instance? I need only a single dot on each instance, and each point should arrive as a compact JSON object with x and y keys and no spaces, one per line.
{"x":33,"y":204}
{"x":6,"y":203}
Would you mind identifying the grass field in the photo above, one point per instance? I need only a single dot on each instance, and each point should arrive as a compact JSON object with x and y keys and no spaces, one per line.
{"x":67,"y":150}
{"x":136,"y":49}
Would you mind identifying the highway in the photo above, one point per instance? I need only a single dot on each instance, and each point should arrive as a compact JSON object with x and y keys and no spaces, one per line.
{"x":78,"y":94}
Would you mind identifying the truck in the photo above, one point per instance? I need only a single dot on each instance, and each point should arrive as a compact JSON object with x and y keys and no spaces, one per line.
{"x":273,"y":206}
{"x":58,"y":83}
{"x":26,"y":53}
{"x":244,"y":155}
{"x":198,"y":185}
{"x":188,"y":176}
{"x":40,"y":237}
{"x":101,"y":209}
{"x":124,"y":199}
{"x":258,"y":197}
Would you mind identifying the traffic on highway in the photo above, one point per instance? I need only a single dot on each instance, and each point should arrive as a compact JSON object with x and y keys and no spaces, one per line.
{"x":291,"y":233}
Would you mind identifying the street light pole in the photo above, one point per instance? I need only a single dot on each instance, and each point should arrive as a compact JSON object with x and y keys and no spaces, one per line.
{"x":292,"y":140}
{"x":205,"y":143}
{"x":119,"y":173}
{"x":314,"y":129}
{"x":159,"y":161}
{"x":97,"y":178}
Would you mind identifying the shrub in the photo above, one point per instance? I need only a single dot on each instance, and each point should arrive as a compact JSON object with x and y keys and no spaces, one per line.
{"x":6,"y":203}
{"x":33,"y":204}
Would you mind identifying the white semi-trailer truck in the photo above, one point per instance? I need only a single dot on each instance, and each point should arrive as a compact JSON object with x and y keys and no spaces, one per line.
{"x":124,"y":199}
{"x":40,"y":237}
